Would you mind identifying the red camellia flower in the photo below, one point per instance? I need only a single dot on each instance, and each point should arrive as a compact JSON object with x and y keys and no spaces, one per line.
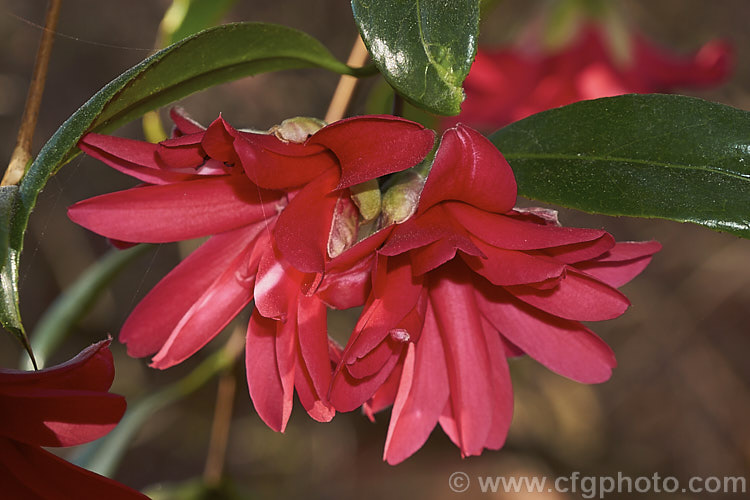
{"x":508,"y":84}
{"x":268,"y":204}
{"x":66,"y":405}
{"x":467,"y":282}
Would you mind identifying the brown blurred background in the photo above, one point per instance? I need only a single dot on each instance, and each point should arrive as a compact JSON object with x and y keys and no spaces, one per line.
{"x":678,"y":404}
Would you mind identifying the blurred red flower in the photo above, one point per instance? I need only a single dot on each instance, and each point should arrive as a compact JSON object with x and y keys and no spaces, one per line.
{"x":268,"y":205}
{"x":505,"y":85}
{"x":66,"y":405}
{"x":467,"y":282}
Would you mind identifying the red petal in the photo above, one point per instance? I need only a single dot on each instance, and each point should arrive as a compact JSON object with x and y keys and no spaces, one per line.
{"x":134,"y":158}
{"x":565,"y":347}
{"x":59,"y":417}
{"x":183,"y":122}
{"x":369,"y":147}
{"x":272,"y":170}
{"x":182,"y":152}
{"x":312,"y":332}
{"x":459,"y":323}
{"x":267,"y":390}
{"x":221,"y":301}
{"x":29,"y":472}
{"x":421,"y":397}
{"x":385,"y":395}
{"x":174,"y":212}
{"x":149,"y":325}
{"x":622,"y":263}
{"x":316,"y":404}
{"x":502,"y":388}
{"x":342,"y":290}
{"x":382,"y":315}
{"x":578,"y":252}
{"x":577,"y":297}
{"x":425,"y":228}
{"x":374,"y":361}
{"x":91,"y":370}
{"x":516,"y":234}
{"x":469,"y":168}
{"x":304,"y":225}
{"x":277,"y":285}
{"x":510,"y":267}
{"x":218,"y":141}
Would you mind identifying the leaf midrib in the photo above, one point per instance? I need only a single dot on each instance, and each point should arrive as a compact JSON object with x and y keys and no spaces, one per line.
{"x":559,"y":156}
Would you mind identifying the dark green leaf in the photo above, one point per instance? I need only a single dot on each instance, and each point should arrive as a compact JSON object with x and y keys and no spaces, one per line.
{"x":9,"y":313}
{"x":213,"y":56}
{"x":424,"y":48}
{"x":665,"y":156}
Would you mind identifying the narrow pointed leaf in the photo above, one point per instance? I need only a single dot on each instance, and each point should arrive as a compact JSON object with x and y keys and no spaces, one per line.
{"x":654,"y":156}
{"x":424,"y":48}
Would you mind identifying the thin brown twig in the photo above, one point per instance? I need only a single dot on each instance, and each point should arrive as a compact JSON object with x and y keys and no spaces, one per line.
{"x":345,"y":88}
{"x":222,"y":420}
{"x":22,"y":152}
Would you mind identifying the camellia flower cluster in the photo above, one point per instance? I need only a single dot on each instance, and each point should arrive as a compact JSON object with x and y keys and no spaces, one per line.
{"x":508,"y":84}
{"x":66,"y":405}
{"x":452,"y":279}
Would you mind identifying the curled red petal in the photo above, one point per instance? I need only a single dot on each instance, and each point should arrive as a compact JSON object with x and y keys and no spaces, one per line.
{"x":513,"y":233}
{"x":218,"y":141}
{"x":134,"y":158}
{"x":369,"y":147}
{"x":428,"y":227}
{"x":469,"y":168}
{"x":291,"y":165}
{"x":510,"y":267}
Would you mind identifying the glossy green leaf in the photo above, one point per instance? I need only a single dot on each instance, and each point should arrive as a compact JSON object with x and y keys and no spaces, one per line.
{"x":9,"y":313}
{"x":424,"y":48}
{"x":665,"y":156}
{"x":211,"y":57}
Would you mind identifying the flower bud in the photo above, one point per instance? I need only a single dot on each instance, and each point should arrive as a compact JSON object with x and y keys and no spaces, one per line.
{"x":297,"y":129}
{"x":401,"y":198}
{"x":367,"y":198}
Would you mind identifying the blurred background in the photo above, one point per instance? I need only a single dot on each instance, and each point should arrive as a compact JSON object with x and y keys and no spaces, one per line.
{"x":678,"y":403}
